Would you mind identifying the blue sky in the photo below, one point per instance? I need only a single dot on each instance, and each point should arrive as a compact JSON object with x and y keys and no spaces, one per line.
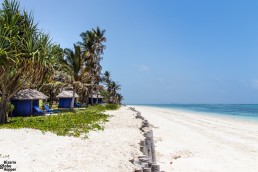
{"x":179,"y":51}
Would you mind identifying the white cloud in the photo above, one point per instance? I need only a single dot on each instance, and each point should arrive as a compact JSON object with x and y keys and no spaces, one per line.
{"x":144,"y":68}
{"x":255,"y":83}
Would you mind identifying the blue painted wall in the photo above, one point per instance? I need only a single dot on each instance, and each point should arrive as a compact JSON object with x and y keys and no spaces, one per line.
{"x":23,"y":107}
{"x":65,"y":102}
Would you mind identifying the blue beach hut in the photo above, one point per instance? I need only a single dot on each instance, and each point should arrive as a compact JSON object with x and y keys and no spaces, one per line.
{"x":95,"y":99}
{"x":65,"y":98}
{"x":25,"y":100}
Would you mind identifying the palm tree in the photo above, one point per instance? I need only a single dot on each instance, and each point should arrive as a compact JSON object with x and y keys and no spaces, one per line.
{"x":113,"y":88}
{"x":93,"y":48}
{"x":74,"y":66}
{"x":111,"y":93}
{"x":119,"y":98}
{"x":106,"y":78}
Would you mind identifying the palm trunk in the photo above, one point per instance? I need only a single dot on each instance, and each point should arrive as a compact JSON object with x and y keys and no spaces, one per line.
{"x":97,"y":101}
{"x":92,"y":103}
{"x":90,"y":96}
{"x":72,"y":102}
{"x":3,"y":111}
{"x":87,"y":100}
{"x":3,"y":106}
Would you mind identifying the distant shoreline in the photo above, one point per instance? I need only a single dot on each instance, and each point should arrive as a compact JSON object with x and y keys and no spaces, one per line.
{"x":190,"y":141}
{"x":248,"y":112}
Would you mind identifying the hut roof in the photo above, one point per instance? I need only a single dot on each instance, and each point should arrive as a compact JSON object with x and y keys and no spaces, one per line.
{"x":96,"y":96}
{"x":66,"y":94}
{"x":29,"y":94}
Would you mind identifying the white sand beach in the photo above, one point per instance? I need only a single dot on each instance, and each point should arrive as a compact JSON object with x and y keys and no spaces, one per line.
{"x":104,"y":151}
{"x":196,"y":142}
{"x":184,"y":142}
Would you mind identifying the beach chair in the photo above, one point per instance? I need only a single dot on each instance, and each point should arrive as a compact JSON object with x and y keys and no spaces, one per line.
{"x":49,"y":110}
{"x":38,"y":110}
{"x":76,"y":104}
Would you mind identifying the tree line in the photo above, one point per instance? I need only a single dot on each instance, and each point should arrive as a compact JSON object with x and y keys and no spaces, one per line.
{"x":29,"y":59}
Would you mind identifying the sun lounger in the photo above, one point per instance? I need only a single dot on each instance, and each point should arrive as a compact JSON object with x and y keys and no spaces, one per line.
{"x":38,"y":110}
{"x":50,"y":110}
{"x":76,"y":104}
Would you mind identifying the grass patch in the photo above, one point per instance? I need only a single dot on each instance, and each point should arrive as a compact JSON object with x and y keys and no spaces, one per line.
{"x":111,"y":107}
{"x":104,"y":107}
{"x":65,"y":123}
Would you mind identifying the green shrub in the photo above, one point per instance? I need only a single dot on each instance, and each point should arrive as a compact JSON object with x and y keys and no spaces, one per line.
{"x":10,"y":107}
{"x":65,"y":123}
{"x":111,"y":106}
{"x":104,"y":107}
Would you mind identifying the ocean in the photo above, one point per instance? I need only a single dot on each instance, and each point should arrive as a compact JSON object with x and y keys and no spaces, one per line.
{"x":240,"y":111}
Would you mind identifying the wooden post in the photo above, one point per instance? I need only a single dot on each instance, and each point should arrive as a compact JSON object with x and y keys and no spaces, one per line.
{"x":152,"y":147}
{"x":155,"y":168}
{"x":145,"y":165}
{"x":146,"y":170}
{"x":143,"y":147}
{"x":146,"y":159}
{"x":142,"y":143}
{"x":142,"y":156}
{"x":138,"y":170}
{"x":148,"y":146}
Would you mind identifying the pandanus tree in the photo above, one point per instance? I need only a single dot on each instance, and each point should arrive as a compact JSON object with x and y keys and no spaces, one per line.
{"x":26,"y":54}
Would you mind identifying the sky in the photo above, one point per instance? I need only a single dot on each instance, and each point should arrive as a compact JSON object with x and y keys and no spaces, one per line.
{"x":167,"y":51}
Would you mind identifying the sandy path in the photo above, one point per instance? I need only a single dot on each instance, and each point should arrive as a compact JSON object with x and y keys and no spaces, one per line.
{"x":105,"y":151}
{"x":202,"y":142}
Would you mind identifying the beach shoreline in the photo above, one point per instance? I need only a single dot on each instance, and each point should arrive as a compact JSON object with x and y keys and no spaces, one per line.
{"x":184,"y":141}
{"x":188,"y":141}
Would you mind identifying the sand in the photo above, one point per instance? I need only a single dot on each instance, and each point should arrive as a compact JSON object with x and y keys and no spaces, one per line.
{"x":184,"y":142}
{"x":197,"y":142}
{"x":104,"y":151}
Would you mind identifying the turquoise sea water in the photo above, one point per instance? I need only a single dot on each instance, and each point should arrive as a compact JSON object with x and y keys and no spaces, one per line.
{"x":240,"y":111}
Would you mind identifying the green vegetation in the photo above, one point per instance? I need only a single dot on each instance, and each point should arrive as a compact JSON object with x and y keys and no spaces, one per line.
{"x":111,"y":94}
{"x":27,"y":55}
{"x":28,"y":59}
{"x":65,"y":123}
{"x":104,"y":107}
{"x":111,"y":106}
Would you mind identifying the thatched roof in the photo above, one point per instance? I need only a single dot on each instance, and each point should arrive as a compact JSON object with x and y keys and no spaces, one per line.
{"x":95,"y":96}
{"x":66,"y":94}
{"x":29,"y":94}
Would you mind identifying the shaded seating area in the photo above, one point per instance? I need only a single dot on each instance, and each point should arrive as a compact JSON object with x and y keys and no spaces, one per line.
{"x":65,"y":99}
{"x":95,"y":99}
{"x":50,"y":110}
{"x":25,"y":101}
{"x":38,"y":111}
{"x":76,"y":104}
